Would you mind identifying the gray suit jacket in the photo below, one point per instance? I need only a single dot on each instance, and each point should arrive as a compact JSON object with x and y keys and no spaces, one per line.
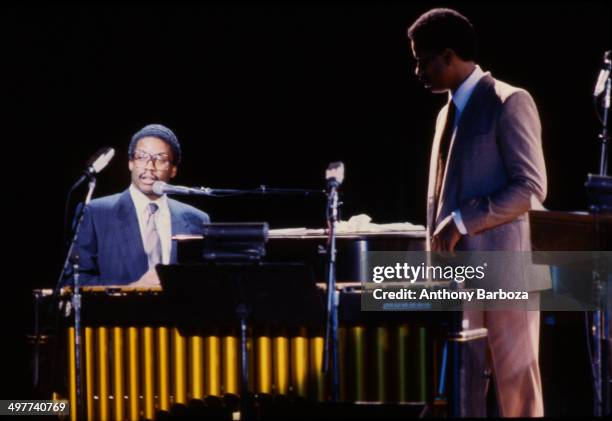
{"x":110,"y":244}
{"x":495,"y":168}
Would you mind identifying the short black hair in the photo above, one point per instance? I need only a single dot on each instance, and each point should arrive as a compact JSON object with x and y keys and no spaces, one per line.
{"x":161,"y":132}
{"x":441,"y":28}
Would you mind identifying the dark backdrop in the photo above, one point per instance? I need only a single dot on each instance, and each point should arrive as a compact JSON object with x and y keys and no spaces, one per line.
{"x":265,"y":94}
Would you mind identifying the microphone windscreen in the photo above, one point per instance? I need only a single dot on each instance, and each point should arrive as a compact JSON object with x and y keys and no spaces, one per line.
{"x":335,"y":172}
{"x":103,"y":160}
{"x":159,"y":188}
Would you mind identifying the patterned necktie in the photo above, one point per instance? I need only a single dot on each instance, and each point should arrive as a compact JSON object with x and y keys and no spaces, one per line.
{"x":443,"y":149}
{"x":152,"y":243}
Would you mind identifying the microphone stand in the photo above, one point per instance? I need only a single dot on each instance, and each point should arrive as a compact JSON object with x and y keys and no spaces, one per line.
{"x":333,"y":297}
{"x":76,"y":303}
{"x":598,"y":187}
{"x":603,"y":162}
{"x":261,"y":190}
{"x":600,"y":329}
{"x":72,"y":258}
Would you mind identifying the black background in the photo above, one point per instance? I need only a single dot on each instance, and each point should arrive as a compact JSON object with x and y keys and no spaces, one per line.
{"x":262,"y":94}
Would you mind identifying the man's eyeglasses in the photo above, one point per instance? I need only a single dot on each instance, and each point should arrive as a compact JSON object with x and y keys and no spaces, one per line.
{"x":160,"y":161}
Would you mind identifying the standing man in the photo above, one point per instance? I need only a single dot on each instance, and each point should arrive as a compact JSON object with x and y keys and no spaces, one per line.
{"x":486,"y":168}
{"x":123,"y":236}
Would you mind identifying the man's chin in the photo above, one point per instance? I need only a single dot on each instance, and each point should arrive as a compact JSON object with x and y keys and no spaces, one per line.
{"x":437,"y":90}
{"x":146,"y":189}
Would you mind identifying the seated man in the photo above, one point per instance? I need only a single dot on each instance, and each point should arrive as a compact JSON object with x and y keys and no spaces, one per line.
{"x":123,"y":236}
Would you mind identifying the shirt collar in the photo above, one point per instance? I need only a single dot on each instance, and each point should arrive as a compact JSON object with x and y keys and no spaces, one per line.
{"x":461,"y":96}
{"x":141,"y":201}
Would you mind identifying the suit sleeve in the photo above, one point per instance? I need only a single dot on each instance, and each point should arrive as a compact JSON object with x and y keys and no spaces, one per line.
{"x":205,"y":218}
{"x":196,"y":219}
{"x":519,"y":142}
{"x":87,"y":249}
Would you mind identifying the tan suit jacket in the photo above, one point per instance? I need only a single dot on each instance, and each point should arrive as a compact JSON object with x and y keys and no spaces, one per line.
{"x":495,"y":168}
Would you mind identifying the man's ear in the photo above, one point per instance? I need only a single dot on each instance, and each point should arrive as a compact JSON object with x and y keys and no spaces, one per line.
{"x":448,"y":56}
{"x":130,"y":165}
{"x":173,"y":171}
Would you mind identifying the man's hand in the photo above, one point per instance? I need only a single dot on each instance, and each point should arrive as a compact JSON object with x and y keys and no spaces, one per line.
{"x":446,"y":236}
{"x":149,"y":279}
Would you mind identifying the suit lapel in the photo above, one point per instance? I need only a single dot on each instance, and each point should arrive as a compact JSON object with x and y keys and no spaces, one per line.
{"x":180,"y":225}
{"x":130,"y":237}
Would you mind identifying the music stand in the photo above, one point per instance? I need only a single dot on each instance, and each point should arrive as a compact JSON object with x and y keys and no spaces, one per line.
{"x":275,"y":294}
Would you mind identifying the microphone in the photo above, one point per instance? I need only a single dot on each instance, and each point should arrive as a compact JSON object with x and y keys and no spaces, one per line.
{"x":95,"y":164}
{"x":161,"y":188}
{"x":334,"y":175}
{"x":603,"y":74}
{"x":99,"y":161}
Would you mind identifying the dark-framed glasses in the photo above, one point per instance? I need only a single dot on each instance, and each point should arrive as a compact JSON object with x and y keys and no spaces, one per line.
{"x":160,"y":161}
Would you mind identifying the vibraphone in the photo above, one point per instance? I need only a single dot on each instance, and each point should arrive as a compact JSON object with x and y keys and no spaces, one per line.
{"x":134,"y":367}
{"x":138,"y":361}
